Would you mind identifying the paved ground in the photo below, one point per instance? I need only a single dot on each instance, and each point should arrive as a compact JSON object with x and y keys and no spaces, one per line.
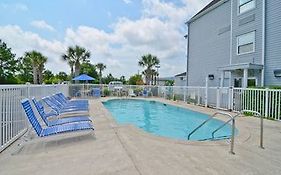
{"x":115,"y":149}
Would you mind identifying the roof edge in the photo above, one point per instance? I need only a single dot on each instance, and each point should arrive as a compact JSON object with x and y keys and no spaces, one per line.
{"x":203,"y":12}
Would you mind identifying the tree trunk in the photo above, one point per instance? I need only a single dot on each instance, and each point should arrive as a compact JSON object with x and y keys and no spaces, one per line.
{"x":77,"y":71}
{"x":34,"y":71}
{"x":146,"y":80}
{"x":100,"y":75}
{"x":40,"y":76}
{"x":71,"y":72}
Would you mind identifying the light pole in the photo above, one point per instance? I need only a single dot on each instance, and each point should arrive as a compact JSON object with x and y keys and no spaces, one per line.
{"x":157,"y":68}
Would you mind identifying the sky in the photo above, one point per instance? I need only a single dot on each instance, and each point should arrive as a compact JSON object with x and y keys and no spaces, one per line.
{"x":116,"y":32}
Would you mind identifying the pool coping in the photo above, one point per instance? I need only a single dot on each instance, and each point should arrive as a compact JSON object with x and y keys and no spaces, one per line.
{"x":242,"y":136}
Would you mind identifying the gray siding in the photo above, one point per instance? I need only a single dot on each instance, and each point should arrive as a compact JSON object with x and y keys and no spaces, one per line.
{"x":208,"y":45}
{"x":273,"y":41}
{"x":239,"y":27}
{"x":180,"y":81}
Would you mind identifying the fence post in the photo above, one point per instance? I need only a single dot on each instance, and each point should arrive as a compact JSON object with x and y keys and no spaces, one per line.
{"x":198,"y":96}
{"x":230,"y":95}
{"x":28,"y":90}
{"x":206,"y":93}
{"x":184,"y":93}
{"x":266,"y":102}
{"x":218,"y":98}
{"x":1,"y":123}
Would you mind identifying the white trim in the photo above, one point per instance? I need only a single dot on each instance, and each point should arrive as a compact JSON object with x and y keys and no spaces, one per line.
{"x":240,"y":66}
{"x":263,"y":42}
{"x":254,"y":44}
{"x":231,"y":31}
{"x":251,"y":9}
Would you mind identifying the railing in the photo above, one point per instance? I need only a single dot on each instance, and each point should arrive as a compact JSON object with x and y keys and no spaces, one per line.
{"x":12,"y":119}
{"x":267,"y":102}
{"x":232,"y":128}
{"x":257,"y":114}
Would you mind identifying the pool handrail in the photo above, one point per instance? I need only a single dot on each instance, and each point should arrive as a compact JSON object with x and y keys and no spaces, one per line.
{"x":257,"y":114}
{"x":232,"y":132}
{"x":225,"y":123}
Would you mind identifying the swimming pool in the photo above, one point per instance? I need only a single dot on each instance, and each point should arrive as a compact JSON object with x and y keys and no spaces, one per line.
{"x":164,"y":120}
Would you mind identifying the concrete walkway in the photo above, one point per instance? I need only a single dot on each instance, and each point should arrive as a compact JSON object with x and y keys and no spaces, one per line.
{"x":115,"y":149}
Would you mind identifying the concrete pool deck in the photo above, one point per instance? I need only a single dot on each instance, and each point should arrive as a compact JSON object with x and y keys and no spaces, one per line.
{"x":125,"y":149}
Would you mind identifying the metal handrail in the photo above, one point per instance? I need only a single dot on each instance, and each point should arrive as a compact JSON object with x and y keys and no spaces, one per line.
{"x":213,"y":133}
{"x":257,"y":114}
{"x":188,"y":137}
{"x":233,"y":127}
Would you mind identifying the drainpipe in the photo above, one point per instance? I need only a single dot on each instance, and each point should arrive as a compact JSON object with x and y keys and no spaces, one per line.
{"x":231,"y":15}
{"x":230,"y":44}
{"x":187,"y":52}
{"x":263,"y":42}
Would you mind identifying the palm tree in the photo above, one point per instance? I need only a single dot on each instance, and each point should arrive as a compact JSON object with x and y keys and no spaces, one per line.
{"x":154,"y":75}
{"x":100,"y":67}
{"x":38,"y":62}
{"x":75,"y":56}
{"x":148,"y":62}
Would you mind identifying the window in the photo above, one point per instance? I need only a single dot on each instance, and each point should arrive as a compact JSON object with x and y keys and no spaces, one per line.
{"x":246,"y":43}
{"x":237,"y":82}
{"x":246,"y":5}
{"x":252,"y":82}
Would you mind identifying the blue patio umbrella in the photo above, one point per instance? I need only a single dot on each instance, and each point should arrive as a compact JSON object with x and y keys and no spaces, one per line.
{"x":83,"y":77}
{"x":85,"y":89}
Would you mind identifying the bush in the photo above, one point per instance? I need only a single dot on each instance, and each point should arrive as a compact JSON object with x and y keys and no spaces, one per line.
{"x":106,"y":92}
{"x":275,"y":87}
{"x":138,"y":91}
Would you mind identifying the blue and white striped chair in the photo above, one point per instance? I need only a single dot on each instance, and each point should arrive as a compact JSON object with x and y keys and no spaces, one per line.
{"x":40,"y":108}
{"x":43,"y":132}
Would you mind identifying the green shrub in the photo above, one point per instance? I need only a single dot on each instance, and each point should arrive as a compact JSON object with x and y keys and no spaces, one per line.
{"x":275,"y":87}
{"x":106,"y":92}
{"x":138,"y":91}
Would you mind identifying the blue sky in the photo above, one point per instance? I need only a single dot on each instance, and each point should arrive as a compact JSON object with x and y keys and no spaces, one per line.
{"x":117,"y":32}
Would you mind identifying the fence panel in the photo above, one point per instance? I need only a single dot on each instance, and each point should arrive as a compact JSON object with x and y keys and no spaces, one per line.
{"x":265,"y":101}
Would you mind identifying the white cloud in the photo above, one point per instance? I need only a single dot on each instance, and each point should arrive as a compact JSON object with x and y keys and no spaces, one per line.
{"x":127,"y":1}
{"x":41,"y":24}
{"x":15,"y":7}
{"x":21,"y":41}
{"x":159,"y":31}
{"x":20,"y":7}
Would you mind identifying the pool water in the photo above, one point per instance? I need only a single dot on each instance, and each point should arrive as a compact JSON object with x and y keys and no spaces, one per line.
{"x":165,"y":120}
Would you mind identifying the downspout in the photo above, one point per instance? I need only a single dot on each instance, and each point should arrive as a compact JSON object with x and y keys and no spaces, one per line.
{"x":263,"y":42}
{"x":230,"y":46}
{"x":187,"y":53}
{"x":231,"y":16}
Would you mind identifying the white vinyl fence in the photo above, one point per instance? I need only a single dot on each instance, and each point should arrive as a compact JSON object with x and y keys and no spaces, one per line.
{"x":265,"y":101}
{"x":13,"y":120}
